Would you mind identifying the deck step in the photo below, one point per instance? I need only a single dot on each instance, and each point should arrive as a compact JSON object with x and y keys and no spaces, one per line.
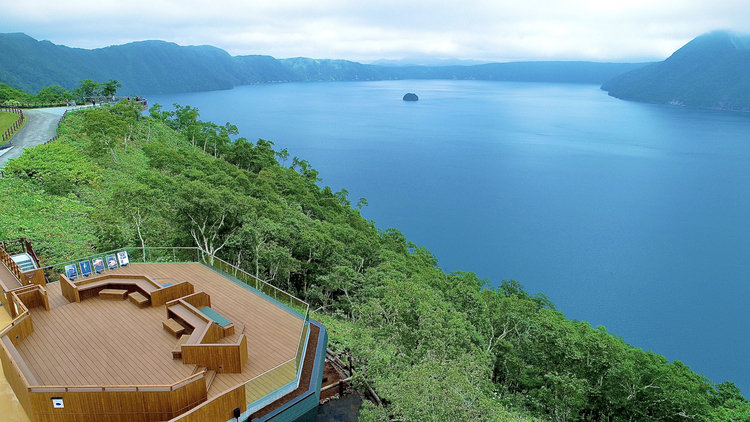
{"x":210,"y":375}
{"x":198,"y":369}
{"x":177,"y":350}
{"x":26,"y":266}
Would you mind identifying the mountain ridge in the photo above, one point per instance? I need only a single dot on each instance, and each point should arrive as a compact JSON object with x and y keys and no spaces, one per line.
{"x":160,"y":67}
{"x":707,"y":72}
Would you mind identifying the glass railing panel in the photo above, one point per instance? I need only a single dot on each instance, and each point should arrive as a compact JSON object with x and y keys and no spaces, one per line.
{"x":266,"y":386}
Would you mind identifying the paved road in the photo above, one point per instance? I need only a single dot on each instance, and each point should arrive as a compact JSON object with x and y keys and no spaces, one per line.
{"x":40,"y":127}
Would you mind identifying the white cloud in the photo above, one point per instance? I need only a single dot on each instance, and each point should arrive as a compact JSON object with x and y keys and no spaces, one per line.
{"x":482,"y":29}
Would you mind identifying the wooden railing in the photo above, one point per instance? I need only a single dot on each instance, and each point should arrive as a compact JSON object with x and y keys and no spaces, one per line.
{"x":11,"y":264}
{"x":16,"y":125}
{"x":20,"y":245}
{"x":57,"y":131}
{"x":29,"y":250}
{"x":117,"y":388}
{"x":34,"y":105}
{"x":20,"y":312}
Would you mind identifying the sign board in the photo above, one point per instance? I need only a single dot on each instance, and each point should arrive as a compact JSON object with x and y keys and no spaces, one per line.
{"x":85,"y":268}
{"x":98,"y":265}
{"x":111,"y":261}
{"x":123,"y":258}
{"x":71,"y":271}
{"x":57,"y":403}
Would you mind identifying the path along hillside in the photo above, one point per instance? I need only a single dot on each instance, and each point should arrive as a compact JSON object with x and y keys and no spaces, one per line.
{"x":40,"y":127}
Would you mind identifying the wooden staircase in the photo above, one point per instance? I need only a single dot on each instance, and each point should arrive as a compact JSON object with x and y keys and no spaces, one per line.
{"x":210,"y":375}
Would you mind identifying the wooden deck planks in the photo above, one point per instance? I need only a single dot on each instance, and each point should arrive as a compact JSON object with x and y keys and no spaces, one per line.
{"x":54,"y":293}
{"x":98,"y":342}
{"x":273,"y":333}
{"x":8,"y":279}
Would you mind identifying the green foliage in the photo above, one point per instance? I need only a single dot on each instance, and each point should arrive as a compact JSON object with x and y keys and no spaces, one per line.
{"x":56,"y":167}
{"x":53,"y":94}
{"x":9,"y":94}
{"x":88,"y":89}
{"x":47,"y":95}
{"x":130,"y":110}
{"x":109,"y":88}
{"x":465,"y":394}
{"x":57,"y":225}
{"x":434,"y":346}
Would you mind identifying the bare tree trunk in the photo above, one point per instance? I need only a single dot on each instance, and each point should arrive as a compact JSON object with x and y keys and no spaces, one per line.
{"x":206,"y":236}
{"x":138,"y":221}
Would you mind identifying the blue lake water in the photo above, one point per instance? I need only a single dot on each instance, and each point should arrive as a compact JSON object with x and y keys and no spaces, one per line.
{"x":631,"y":216}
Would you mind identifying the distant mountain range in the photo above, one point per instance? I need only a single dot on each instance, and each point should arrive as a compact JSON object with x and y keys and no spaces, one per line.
{"x":711,"y":71}
{"x":161,"y":67}
{"x":427,"y":61}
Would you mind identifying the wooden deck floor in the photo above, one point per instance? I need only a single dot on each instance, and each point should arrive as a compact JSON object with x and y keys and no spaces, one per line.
{"x":101,"y":342}
{"x":7,"y":279}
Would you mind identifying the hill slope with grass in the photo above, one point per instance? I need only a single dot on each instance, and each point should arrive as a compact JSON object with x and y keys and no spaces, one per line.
{"x":433,"y":345}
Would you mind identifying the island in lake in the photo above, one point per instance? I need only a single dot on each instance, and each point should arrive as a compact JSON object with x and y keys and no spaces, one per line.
{"x":411,"y":97}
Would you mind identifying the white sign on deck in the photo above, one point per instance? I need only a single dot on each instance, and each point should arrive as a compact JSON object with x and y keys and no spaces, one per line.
{"x":57,"y":403}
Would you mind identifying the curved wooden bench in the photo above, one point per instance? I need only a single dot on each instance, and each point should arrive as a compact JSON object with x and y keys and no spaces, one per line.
{"x":182,"y":312}
{"x":157,"y":295}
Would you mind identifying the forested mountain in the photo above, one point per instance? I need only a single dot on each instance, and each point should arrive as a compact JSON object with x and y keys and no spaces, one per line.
{"x":710,"y":71}
{"x":161,"y":67}
{"x":142,"y":67}
{"x":434,"y":346}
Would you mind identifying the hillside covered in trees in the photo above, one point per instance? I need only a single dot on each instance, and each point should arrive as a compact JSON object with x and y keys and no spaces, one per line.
{"x":435,"y":346}
{"x":708,"y":72}
{"x":157,"y":67}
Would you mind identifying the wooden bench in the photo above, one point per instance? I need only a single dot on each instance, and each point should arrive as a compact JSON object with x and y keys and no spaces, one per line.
{"x":113,"y":294}
{"x":138,"y":299}
{"x":177,"y":351}
{"x":173,"y":327}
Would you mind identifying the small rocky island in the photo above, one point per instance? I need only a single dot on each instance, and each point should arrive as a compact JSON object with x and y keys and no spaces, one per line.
{"x":411,"y":97}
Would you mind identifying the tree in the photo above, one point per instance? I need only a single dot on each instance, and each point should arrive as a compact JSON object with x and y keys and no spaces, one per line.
{"x":109,"y":88}
{"x":209,"y":214}
{"x":283,"y":155}
{"x":89,"y":89}
{"x":104,"y":130}
{"x":50,"y":94}
{"x":140,"y":208}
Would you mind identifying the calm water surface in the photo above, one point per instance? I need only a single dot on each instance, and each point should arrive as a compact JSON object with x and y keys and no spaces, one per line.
{"x":631,"y":216}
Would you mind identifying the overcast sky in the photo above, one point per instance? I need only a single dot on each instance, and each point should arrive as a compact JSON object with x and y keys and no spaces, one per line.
{"x":491,"y":30}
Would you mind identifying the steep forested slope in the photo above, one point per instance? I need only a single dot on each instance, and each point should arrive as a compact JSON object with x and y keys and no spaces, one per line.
{"x":435,"y":346}
{"x":708,"y":72}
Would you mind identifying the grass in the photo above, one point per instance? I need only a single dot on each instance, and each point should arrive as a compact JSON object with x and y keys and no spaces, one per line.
{"x":6,"y":120}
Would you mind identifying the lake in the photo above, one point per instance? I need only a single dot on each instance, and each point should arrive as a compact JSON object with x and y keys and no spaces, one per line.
{"x":631,"y":216}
